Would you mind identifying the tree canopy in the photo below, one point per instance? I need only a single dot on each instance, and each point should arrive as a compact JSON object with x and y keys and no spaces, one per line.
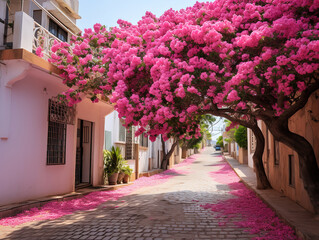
{"x":242,"y":59}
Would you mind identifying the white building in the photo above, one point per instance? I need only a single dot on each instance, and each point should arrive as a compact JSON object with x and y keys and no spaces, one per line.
{"x":46,"y":147}
{"x":149,"y":153}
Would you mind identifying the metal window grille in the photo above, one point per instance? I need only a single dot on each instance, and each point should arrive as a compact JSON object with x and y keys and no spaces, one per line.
{"x":129,"y":146}
{"x":59,"y":116}
{"x":60,"y":112}
{"x":56,"y":143}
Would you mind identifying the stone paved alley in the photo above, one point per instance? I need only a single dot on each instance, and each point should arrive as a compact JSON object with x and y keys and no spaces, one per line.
{"x":169,"y":210}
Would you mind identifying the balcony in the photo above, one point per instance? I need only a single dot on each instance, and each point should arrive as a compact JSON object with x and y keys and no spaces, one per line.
{"x":30,"y":35}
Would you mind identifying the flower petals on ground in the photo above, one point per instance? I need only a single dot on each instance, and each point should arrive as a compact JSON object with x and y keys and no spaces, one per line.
{"x":257,"y":217}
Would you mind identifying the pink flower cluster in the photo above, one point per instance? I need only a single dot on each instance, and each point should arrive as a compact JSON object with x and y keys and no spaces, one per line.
{"x":164,"y":72}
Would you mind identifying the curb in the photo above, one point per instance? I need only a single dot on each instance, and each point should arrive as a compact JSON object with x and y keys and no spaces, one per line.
{"x":298,"y":232}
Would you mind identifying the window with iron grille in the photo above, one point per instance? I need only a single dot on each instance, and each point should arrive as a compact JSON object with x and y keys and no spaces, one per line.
{"x":56,"y":143}
{"x":58,"y":117}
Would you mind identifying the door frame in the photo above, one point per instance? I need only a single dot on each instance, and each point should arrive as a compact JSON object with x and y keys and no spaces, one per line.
{"x":81,"y":130}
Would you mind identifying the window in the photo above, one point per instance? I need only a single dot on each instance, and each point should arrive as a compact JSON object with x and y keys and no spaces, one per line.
{"x":121,"y":131}
{"x":108,"y":140}
{"x":143,"y":141}
{"x":37,"y":16}
{"x":276,"y":152}
{"x":129,"y":146}
{"x":57,"y":31}
{"x":59,"y":116}
{"x":56,"y":143}
{"x":291,"y":170}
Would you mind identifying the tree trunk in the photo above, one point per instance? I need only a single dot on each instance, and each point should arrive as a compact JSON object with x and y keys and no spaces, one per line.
{"x":307,"y":160}
{"x":166,"y":156}
{"x":262,"y":180}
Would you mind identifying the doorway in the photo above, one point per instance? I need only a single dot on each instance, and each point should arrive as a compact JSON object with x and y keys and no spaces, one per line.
{"x":83,"y":154}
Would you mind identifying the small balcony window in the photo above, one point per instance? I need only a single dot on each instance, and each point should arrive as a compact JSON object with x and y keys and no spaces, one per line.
{"x":37,"y":16}
{"x":143,"y":141}
{"x":57,"y":31}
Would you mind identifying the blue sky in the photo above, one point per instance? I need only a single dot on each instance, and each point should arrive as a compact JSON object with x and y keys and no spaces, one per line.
{"x":107,"y":12}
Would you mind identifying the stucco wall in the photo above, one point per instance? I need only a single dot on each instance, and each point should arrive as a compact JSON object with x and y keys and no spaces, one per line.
{"x":305,"y":124}
{"x":24,"y":174}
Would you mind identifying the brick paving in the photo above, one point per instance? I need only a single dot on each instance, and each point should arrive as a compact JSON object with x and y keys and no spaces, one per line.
{"x":167,"y":211}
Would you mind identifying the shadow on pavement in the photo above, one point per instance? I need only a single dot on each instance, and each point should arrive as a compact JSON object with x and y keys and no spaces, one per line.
{"x":216,"y":154}
{"x":129,"y":217}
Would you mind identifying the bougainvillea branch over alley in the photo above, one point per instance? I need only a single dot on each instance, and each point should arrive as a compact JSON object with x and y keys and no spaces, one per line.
{"x":256,"y":55}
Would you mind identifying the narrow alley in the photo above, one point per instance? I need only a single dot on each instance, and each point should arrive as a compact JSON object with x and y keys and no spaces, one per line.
{"x":195,"y":200}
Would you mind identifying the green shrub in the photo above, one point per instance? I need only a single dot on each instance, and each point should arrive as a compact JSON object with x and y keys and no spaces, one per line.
{"x":241,"y":136}
{"x":220,"y":141}
{"x":113,"y":161}
{"x":127,"y":170}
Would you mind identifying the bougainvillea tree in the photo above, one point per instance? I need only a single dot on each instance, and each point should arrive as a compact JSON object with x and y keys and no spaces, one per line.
{"x":243,"y":60}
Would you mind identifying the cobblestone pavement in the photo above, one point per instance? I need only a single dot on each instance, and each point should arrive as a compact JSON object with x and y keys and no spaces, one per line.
{"x":167,"y":211}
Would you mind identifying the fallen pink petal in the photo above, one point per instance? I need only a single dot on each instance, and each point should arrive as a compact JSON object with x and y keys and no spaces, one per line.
{"x":256,"y":216}
{"x":55,"y":209}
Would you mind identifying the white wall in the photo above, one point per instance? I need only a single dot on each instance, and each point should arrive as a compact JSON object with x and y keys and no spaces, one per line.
{"x":156,"y":152}
{"x":143,"y":160}
{"x":250,"y":153}
{"x":112,"y":125}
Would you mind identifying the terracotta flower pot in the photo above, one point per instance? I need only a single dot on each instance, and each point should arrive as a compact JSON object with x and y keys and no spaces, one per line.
{"x":120,"y":177}
{"x":113,"y":178}
{"x":126,"y":178}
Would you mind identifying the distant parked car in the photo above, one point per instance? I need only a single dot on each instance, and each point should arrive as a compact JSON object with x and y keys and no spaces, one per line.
{"x":217,"y":147}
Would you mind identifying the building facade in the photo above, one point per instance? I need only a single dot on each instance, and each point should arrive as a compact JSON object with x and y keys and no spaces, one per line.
{"x":142,"y":155}
{"x":47,"y":148}
{"x":281,"y":163}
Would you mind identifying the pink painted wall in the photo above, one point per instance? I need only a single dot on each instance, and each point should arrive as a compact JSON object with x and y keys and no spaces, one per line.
{"x":24,"y":174}
{"x":23,"y":171}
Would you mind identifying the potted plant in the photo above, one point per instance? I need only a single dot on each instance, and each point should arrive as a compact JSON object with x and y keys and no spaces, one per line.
{"x":112,"y":161}
{"x":127,"y":171}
